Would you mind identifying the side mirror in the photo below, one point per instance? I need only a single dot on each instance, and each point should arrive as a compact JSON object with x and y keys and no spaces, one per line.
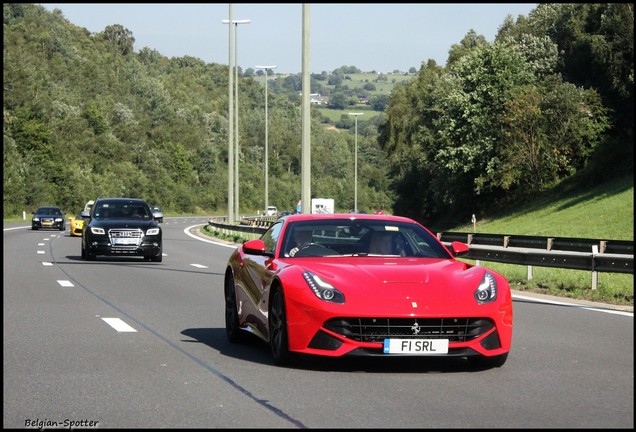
{"x":459,"y":249}
{"x":255,"y":247}
{"x":85,"y":214}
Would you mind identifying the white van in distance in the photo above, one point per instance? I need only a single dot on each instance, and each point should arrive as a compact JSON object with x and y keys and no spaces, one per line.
{"x":271,"y":211}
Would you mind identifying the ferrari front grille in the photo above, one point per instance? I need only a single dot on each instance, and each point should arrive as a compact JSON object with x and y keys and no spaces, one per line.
{"x":378,"y":329}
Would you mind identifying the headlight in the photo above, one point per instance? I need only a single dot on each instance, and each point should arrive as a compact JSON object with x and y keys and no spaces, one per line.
{"x":59,"y":219}
{"x":152,"y":231}
{"x":486,"y":292}
{"x":323,"y":290}
{"x":98,"y":231}
{"x":36,"y":219}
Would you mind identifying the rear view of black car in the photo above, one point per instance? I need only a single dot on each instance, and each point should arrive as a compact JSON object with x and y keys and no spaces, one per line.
{"x":50,"y":217}
{"x":123,"y":227}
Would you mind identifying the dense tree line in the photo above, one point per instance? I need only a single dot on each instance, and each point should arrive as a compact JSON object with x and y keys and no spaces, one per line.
{"x":550,"y":99}
{"x":86,"y":116}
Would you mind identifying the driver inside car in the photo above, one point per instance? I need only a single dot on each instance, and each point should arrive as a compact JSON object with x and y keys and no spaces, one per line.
{"x":301,"y":238}
{"x":381,"y":243}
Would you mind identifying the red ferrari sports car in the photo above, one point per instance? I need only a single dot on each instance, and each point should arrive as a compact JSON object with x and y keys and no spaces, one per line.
{"x":356,"y":284}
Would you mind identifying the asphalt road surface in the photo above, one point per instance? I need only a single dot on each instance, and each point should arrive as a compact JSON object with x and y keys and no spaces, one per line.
{"x":124,"y":343}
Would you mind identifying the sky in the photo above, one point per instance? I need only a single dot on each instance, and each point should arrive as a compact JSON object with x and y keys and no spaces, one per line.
{"x":371,"y":37}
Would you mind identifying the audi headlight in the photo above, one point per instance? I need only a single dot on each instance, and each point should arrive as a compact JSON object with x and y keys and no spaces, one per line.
{"x":59,"y":219}
{"x":152,"y":231}
{"x":486,"y":292}
{"x":98,"y":231}
{"x":323,"y":290}
{"x":36,"y":219}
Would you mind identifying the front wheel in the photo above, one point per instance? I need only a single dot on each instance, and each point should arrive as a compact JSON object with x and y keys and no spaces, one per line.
{"x":278,"y":338}
{"x":86,"y":254}
{"x":232,"y":325}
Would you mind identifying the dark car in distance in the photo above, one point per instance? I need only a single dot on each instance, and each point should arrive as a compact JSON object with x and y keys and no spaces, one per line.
{"x":50,"y":217}
{"x":121,"y":227}
{"x":157,"y":213}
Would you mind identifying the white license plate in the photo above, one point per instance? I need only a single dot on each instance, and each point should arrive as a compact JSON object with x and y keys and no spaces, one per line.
{"x":124,"y":241}
{"x":416,"y":346}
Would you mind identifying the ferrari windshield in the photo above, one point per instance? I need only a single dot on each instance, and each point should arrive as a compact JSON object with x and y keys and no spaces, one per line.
{"x":359,"y":237}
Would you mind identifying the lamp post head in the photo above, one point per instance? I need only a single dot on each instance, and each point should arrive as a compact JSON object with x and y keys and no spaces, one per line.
{"x":266,"y":68}
{"x":244,"y":21}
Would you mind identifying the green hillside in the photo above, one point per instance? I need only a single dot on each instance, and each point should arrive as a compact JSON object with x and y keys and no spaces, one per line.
{"x":605,"y":212}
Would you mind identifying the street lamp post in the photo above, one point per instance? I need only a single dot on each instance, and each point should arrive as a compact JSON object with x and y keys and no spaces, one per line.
{"x":266,"y":161}
{"x":236,"y":105}
{"x":355,"y":175}
{"x":230,"y":134}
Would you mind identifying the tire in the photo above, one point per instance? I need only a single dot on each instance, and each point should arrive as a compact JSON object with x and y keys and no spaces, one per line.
{"x":232,"y":326}
{"x":278,"y":337}
{"x":157,"y":258}
{"x":86,"y":254}
{"x":483,"y":363}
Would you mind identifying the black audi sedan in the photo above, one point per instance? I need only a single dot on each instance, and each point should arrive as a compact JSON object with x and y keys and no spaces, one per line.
{"x":51,"y":217}
{"x":123,"y":227}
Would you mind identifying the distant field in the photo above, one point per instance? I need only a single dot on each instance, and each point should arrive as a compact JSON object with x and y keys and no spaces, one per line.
{"x":382,"y":86}
{"x":358,"y":81}
{"x":334,"y":114}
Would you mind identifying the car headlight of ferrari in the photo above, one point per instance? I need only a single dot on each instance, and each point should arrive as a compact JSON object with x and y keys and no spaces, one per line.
{"x":98,"y":231}
{"x":152,"y":231}
{"x":486,"y":292}
{"x":323,"y":290}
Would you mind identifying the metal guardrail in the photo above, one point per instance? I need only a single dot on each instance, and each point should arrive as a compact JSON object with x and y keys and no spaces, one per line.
{"x":610,"y":256}
{"x":595,"y":255}
{"x":622,"y":247}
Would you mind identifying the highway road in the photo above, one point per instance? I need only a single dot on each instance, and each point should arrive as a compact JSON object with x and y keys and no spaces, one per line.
{"x":124,"y":343}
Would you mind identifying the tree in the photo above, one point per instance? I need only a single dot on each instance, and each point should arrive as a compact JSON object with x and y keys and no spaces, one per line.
{"x":121,"y":38}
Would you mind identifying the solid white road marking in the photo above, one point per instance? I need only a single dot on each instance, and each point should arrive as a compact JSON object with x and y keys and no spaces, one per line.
{"x":119,"y":325}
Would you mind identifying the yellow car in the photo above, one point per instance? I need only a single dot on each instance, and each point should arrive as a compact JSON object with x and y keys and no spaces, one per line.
{"x":76,"y":225}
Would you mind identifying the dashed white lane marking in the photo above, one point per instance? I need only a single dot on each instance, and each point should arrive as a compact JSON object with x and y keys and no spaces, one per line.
{"x":46,"y":263}
{"x":119,"y":325}
{"x":41,"y":252}
{"x":198,"y":266}
{"x":65,"y":283}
